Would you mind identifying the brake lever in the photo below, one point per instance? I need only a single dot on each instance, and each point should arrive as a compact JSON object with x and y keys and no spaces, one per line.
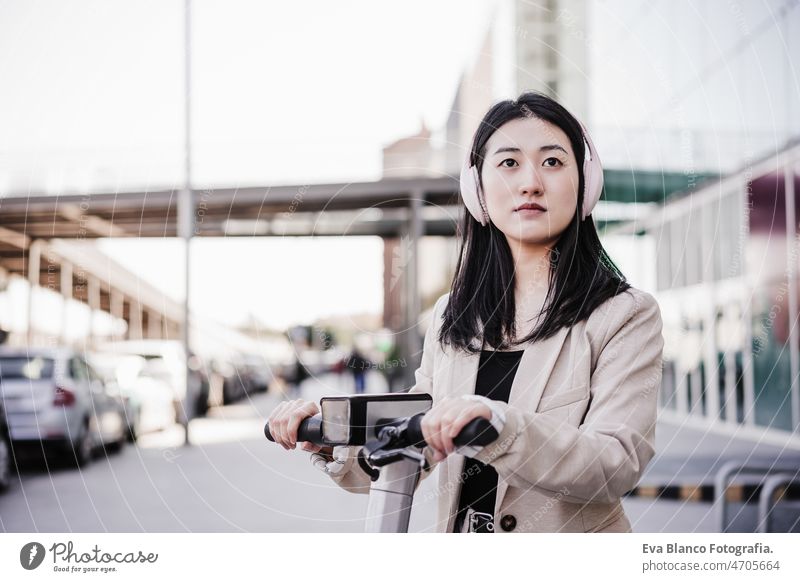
{"x":380,"y":452}
{"x":381,"y":458}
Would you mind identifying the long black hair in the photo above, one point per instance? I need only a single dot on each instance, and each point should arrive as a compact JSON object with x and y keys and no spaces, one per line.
{"x":581,"y":274}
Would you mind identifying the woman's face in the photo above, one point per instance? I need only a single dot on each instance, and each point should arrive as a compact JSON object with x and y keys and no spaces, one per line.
{"x":530,"y":161}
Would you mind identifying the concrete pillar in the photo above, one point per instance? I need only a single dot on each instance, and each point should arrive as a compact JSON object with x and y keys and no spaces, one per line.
{"x":173,"y":330}
{"x":94,"y":306}
{"x":66,"y":297}
{"x":34,"y":264}
{"x":135,"y":329}
{"x":413,"y":339}
{"x":117,"y":305}
{"x":153,"y":325}
{"x":393,"y":283}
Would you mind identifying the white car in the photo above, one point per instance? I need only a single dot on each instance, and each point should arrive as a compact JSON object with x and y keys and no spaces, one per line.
{"x":145,"y":389}
{"x":55,"y":400}
{"x":168,"y":364}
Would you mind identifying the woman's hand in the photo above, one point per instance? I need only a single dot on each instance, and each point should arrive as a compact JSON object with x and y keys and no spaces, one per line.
{"x":446,"y":419}
{"x":285,"y":420}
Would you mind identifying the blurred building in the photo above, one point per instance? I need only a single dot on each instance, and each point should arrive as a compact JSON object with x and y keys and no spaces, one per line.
{"x":723,"y":254}
{"x":726,"y":273}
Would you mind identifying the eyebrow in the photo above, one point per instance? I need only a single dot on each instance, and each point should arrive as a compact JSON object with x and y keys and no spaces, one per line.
{"x":545,"y":148}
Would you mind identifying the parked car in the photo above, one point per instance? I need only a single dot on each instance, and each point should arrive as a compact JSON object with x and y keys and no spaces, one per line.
{"x":237,"y":378}
{"x":201,"y":384}
{"x":54,"y":398}
{"x":258,"y":370}
{"x":146,"y":395}
{"x":5,"y":451}
{"x":169,"y":364}
{"x":233,"y":385}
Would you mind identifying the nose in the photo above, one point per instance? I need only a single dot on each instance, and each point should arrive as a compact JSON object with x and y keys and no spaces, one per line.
{"x":531,"y":182}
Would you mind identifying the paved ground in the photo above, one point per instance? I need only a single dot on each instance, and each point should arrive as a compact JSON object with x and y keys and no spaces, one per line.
{"x":692,"y":456}
{"x":232,"y":479}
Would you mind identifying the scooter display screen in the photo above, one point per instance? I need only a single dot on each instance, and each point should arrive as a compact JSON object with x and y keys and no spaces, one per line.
{"x":335,"y":421}
{"x":352,"y":420}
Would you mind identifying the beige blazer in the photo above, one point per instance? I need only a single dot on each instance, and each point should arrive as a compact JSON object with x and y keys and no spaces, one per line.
{"x":580,"y":421}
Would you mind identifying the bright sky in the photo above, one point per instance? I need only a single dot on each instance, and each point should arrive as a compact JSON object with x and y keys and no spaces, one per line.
{"x":287,"y":92}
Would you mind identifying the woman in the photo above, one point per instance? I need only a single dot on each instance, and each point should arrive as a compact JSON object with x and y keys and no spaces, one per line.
{"x":575,"y":402}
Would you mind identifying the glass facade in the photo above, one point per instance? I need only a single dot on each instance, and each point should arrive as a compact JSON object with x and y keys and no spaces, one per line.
{"x":768,"y":273}
{"x":727,"y":281}
{"x":771,"y":352}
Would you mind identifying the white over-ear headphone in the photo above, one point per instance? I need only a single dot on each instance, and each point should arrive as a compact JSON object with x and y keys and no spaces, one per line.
{"x":475,"y":201}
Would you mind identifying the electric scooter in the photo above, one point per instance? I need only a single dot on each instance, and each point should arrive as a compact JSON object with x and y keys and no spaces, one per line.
{"x":387,"y":427}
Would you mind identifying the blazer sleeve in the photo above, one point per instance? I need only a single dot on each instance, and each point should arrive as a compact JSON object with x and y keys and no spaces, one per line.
{"x":604,"y":457}
{"x":351,"y":477}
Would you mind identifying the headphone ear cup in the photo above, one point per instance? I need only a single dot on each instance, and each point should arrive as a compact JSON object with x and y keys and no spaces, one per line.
{"x":592,"y":176}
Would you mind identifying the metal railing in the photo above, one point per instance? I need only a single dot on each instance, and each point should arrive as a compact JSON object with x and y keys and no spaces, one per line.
{"x":766,"y":501}
{"x":769,"y":476}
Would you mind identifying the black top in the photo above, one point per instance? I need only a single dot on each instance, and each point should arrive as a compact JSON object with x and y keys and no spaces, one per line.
{"x":479,"y":481}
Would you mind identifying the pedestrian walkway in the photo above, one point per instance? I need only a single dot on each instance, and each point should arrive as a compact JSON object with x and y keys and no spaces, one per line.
{"x":676,"y":492}
{"x":690,"y":456}
{"x":232,"y":479}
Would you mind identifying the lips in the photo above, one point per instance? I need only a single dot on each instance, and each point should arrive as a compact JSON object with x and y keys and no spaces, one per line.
{"x":531,"y":206}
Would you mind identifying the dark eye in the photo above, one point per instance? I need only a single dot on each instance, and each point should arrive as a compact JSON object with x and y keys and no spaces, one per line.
{"x":558,"y":162}
{"x":508,"y":160}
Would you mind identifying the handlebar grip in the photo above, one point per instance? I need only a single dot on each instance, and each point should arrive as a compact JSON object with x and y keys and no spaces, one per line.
{"x":310,"y":430}
{"x":414,"y":430}
{"x":478,"y":432}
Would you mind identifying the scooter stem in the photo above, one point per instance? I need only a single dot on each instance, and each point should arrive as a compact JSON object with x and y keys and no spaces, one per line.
{"x":391,"y":497}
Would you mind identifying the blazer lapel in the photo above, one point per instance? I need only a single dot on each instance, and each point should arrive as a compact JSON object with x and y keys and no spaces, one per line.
{"x":529,"y":383}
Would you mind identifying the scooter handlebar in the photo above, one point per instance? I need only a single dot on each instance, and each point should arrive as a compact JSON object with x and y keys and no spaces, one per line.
{"x":478,"y":432}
